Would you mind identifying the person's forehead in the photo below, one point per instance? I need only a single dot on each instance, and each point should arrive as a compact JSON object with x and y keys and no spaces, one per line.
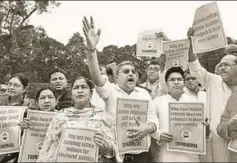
{"x":58,"y":74}
{"x":228,"y":58}
{"x":80,"y":82}
{"x":127,"y":66}
{"x":175,"y":75}
{"x":46,"y":92}
{"x":14,"y":80}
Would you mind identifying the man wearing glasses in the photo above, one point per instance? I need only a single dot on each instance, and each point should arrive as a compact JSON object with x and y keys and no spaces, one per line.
{"x":192,"y":87}
{"x":153,"y":83}
{"x":125,"y":87}
{"x":218,"y":89}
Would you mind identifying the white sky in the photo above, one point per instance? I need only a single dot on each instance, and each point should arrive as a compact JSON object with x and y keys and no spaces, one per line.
{"x":121,"y":21}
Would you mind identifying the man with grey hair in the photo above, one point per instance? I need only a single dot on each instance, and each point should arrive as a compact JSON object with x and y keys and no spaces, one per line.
{"x":218,"y":89}
{"x":125,"y":88}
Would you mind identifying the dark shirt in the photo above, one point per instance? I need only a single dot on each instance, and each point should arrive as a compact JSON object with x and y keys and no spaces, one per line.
{"x":65,"y":100}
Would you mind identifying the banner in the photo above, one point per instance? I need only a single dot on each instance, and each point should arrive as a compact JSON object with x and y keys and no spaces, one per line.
{"x":34,"y":136}
{"x":148,"y":44}
{"x":10,"y":132}
{"x":185,"y":124}
{"x":127,"y":110}
{"x":176,"y":53}
{"x":209,"y":34}
{"x":77,"y":145}
{"x":233,"y":145}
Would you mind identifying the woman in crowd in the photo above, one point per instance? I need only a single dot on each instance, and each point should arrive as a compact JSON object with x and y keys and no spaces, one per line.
{"x":45,"y":101}
{"x":82,"y":114}
{"x":15,"y":96}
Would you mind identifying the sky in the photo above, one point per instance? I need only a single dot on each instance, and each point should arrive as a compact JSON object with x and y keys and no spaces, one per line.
{"x":121,"y":21}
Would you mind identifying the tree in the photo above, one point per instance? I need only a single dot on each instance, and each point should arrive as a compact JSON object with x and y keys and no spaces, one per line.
{"x":16,"y":34}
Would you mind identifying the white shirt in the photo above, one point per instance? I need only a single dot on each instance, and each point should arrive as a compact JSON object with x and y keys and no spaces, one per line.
{"x":162,"y":108}
{"x":217,"y":95}
{"x":110,"y":92}
{"x":97,"y":101}
{"x":201,"y":96}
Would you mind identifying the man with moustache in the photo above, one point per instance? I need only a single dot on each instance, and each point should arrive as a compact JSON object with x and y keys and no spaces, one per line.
{"x":218,"y":89}
{"x":227,"y":129}
{"x":58,"y":82}
{"x":126,"y":88}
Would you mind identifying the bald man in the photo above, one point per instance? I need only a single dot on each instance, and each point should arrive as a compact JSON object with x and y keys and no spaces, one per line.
{"x":218,"y":89}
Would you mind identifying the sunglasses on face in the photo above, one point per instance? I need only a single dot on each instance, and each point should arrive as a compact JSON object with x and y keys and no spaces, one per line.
{"x":126,"y":71}
{"x":190,"y":78}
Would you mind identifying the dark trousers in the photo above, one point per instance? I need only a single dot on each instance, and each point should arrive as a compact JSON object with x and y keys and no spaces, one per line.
{"x":144,"y":157}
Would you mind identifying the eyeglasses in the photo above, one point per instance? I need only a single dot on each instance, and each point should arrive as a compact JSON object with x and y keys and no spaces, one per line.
{"x":153,"y":69}
{"x":175,"y":79}
{"x":126,"y":71}
{"x":190,"y":78}
{"x":15,"y":85}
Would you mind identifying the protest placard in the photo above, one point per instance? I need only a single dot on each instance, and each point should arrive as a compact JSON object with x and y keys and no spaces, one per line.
{"x":148,"y":44}
{"x":34,"y":136}
{"x":185,"y":124}
{"x":127,"y":111}
{"x":10,"y":132}
{"x":209,"y":34}
{"x":176,"y":53}
{"x":77,"y":145}
{"x":233,"y":145}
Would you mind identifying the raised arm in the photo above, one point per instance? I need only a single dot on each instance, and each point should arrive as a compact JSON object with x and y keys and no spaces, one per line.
{"x":92,"y":40}
{"x":204,"y":77}
{"x":191,"y":56}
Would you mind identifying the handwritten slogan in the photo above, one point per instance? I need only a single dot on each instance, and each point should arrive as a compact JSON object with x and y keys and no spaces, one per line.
{"x":34,"y":136}
{"x":127,"y":110}
{"x":77,"y":145}
{"x":176,"y":53}
{"x":10,"y":132}
{"x":208,"y":29}
{"x":185,"y":123}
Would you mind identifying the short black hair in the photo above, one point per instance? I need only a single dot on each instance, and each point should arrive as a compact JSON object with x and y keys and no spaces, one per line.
{"x":172,"y":70}
{"x":153,"y":62}
{"x":56,"y":70}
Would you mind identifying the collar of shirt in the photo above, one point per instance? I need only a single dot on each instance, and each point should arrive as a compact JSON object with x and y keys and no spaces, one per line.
{"x":122,"y":91}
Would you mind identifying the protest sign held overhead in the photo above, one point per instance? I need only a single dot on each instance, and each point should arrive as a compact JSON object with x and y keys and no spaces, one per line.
{"x":127,"y":111}
{"x":209,"y":34}
{"x":34,"y":135}
{"x":148,"y":44}
{"x":77,"y":145}
{"x":176,"y":53}
{"x":185,"y":124}
{"x":10,"y":117}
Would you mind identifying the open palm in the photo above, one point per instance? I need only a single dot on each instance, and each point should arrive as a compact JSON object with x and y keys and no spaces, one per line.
{"x":92,"y":38}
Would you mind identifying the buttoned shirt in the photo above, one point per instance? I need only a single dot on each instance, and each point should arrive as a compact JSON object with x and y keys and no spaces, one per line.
{"x":110,"y":92}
